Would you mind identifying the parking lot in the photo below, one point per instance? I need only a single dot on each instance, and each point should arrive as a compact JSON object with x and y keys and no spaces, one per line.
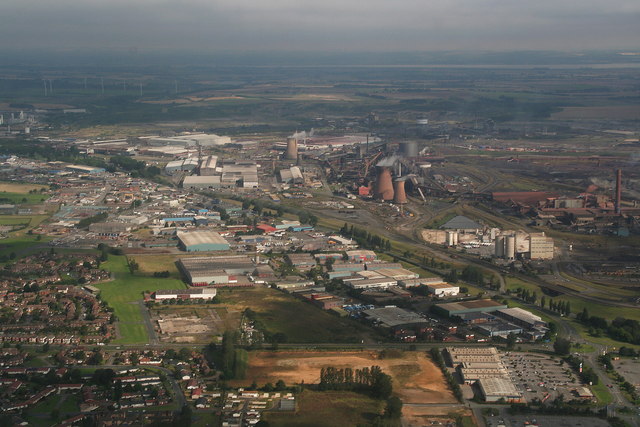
{"x":539,"y":376}
{"x":629,"y":369}
{"x":545,"y":421}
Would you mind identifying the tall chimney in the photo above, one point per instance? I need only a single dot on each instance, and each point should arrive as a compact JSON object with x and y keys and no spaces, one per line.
{"x":399,"y":195}
{"x":384,"y":185}
{"x":619,"y":191}
{"x":292,"y":149}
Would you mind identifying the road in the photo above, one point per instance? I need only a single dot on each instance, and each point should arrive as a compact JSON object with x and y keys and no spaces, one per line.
{"x":146,"y":319}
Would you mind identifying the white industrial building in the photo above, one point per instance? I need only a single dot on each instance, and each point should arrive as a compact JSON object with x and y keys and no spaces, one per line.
{"x":184,"y":165}
{"x":540,"y":246}
{"x":443,"y":289}
{"x":292,"y":175}
{"x":497,"y":388}
{"x":208,"y":166}
{"x":200,"y":293}
{"x":383,"y":283}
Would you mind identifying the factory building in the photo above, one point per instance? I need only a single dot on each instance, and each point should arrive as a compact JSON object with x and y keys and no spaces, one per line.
{"x":201,"y":293}
{"x":208,"y":166}
{"x":395,"y":318}
{"x":292,"y":175}
{"x":441,"y":290}
{"x":185,"y":165}
{"x":197,"y":241}
{"x":201,"y":182}
{"x":201,"y":271}
{"x":359,"y":283}
{"x":458,"y":355}
{"x":462,"y":224}
{"x":244,"y":174}
{"x":85,"y":169}
{"x":362,"y":255}
{"x":477,"y":306}
{"x":540,"y":246}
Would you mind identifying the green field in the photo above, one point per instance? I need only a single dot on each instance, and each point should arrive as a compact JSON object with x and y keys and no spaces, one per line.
{"x":22,"y":198}
{"x":21,"y":245}
{"x":124,"y":293}
{"x":330,"y":408}
{"x":300,"y":321}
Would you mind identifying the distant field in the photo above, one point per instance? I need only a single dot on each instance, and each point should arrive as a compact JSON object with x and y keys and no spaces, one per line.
{"x":123,"y":295}
{"x":300,"y":321}
{"x":616,"y":112}
{"x":415,"y":378}
{"x":14,"y":187}
{"x":328,"y":409}
{"x":152,"y":263}
{"x":22,"y":198}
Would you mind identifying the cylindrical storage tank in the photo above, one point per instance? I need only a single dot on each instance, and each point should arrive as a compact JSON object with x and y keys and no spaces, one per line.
{"x":510,"y":247}
{"x":384,"y":185}
{"x":455,"y":238}
{"x":399,"y":194}
{"x":292,"y":149}
{"x":450,"y":238}
{"x":499,"y":247}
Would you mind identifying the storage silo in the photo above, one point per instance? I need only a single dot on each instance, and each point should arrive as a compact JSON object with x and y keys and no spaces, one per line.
{"x":510,"y":247}
{"x":499,"y":247}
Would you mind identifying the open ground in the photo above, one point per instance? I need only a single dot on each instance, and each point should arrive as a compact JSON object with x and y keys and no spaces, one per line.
{"x":299,"y":321}
{"x":415,"y":378}
{"x":123,"y":294}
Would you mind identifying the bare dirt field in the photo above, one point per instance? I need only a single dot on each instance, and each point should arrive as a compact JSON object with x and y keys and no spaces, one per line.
{"x":416,"y":379}
{"x":193,"y":323}
{"x":14,"y":187}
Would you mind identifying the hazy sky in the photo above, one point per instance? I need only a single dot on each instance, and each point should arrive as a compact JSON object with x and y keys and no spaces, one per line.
{"x":343,"y":25}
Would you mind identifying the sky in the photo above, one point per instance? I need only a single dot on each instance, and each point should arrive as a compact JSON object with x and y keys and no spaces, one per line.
{"x":324,"y":25}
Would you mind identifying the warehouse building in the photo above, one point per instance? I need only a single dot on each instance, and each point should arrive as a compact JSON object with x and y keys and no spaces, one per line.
{"x":441,"y":290}
{"x":198,"y":241}
{"x":361,"y":255}
{"x":201,"y":293}
{"x":520,"y":317}
{"x":459,"y":355}
{"x":397,"y":273}
{"x":201,"y":182}
{"x":395,"y":318}
{"x":497,"y":388}
{"x":410,"y":283}
{"x":383,"y":283}
{"x":457,"y":308}
{"x":201,"y":271}
{"x":499,"y":329}
{"x":208,"y":166}
{"x":186,"y":165}
{"x":470,"y":372}
{"x":292,"y":176}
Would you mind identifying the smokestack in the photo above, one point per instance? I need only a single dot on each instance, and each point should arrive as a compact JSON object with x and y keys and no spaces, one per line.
{"x":619,"y":191}
{"x":292,"y":149}
{"x":384,"y":185}
{"x":399,"y":195}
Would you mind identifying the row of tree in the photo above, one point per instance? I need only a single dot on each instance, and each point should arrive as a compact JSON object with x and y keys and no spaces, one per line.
{"x":368,"y":379}
{"x":625,"y":330}
{"x":364,"y":238}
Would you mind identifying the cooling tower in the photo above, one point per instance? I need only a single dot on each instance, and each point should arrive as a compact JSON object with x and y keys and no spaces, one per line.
{"x":399,"y":194}
{"x":292,"y":149}
{"x":383,"y":189}
{"x":619,"y":191}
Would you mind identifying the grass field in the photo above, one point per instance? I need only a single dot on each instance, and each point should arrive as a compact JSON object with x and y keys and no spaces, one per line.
{"x":15,"y":187}
{"x":150,"y":264}
{"x":123,"y":295}
{"x":300,"y":321}
{"x":329,"y":408}
{"x":21,"y":244}
{"x":22,"y":198}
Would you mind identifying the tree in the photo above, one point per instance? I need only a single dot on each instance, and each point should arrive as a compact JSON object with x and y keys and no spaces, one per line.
{"x":562,"y":346}
{"x":280,"y":385}
{"x":394,"y":408}
{"x":133,"y":265}
{"x":511,"y":341}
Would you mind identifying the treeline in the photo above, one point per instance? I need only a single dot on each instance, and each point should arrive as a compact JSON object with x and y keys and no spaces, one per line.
{"x":365,"y":238}
{"x":625,"y":330}
{"x":587,"y":375}
{"x":134,"y":167}
{"x":85,"y":222}
{"x":436,"y":355}
{"x":233,"y":361}
{"x":371,"y":380}
{"x":624,"y":385}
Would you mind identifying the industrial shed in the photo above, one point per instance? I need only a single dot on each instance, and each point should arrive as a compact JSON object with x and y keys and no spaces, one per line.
{"x":496,"y":388}
{"x":201,"y":182}
{"x":478,"y":306}
{"x":198,"y":241}
{"x":202,"y":293}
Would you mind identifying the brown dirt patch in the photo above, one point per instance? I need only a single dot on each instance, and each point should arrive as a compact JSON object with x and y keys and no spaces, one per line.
{"x":416,"y":379}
